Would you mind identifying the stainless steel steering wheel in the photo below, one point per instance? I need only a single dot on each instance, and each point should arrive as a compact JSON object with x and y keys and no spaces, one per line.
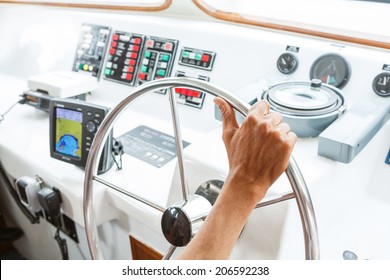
{"x":187,"y":210}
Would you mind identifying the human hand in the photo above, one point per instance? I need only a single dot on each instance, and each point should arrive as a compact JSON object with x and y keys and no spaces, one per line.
{"x":258,"y":150}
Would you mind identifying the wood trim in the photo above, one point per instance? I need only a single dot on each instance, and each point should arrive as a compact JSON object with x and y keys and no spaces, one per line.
{"x":166,"y":4}
{"x":237,"y":18}
{"x":141,"y":251}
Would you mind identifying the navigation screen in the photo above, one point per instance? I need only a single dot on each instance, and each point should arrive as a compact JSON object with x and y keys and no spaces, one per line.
{"x":69,"y":132}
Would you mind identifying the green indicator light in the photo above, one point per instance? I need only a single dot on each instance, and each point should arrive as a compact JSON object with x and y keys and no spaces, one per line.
{"x":147,"y":54}
{"x":161,"y":72}
{"x":185,"y":54}
{"x":144,"y":69}
{"x":81,"y":66}
{"x":198,"y":56}
{"x":165,"y":57}
{"x":107,"y":71}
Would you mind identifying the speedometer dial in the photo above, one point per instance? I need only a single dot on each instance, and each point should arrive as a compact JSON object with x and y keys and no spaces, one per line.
{"x":332,"y":69}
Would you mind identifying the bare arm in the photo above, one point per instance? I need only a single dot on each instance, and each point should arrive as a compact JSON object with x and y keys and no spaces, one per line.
{"x":258,"y":153}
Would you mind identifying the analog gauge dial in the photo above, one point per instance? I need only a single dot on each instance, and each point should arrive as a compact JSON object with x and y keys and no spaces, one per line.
{"x":381,"y":84}
{"x":287,"y":63}
{"x":332,"y":69}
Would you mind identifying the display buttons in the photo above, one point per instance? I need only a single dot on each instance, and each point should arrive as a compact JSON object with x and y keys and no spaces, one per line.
{"x":190,"y":97}
{"x":197,"y":58}
{"x":124,"y":57}
{"x":157,"y":59}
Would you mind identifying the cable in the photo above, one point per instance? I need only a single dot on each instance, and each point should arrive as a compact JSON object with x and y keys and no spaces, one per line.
{"x":21,"y":101}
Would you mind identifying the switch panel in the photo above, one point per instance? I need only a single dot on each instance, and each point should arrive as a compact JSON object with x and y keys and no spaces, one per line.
{"x":190,"y":97}
{"x":91,"y":49}
{"x":123,"y":57}
{"x":197,"y":58}
{"x":157,"y":59}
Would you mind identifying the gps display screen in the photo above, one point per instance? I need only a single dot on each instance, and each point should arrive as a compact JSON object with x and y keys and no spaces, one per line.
{"x":69,"y":132}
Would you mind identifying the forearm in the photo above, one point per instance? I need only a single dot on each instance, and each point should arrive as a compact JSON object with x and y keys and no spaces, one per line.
{"x":220,"y":231}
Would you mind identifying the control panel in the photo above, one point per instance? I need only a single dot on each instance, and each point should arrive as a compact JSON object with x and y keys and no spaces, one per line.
{"x":124,"y":56}
{"x":197,"y":58}
{"x":193,"y":98}
{"x":91,"y":49}
{"x":157,"y":59}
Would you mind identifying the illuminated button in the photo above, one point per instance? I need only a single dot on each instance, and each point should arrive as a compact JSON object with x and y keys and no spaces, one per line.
{"x":107,"y":72}
{"x":90,"y":68}
{"x":132,"y":62}
{"x":168,"y":46}
{"x":165,"y":57}
{"x":129,"y":77}
{"x":130,"y":69}
{"x":185,"y":54}
{"x":198,"y":56}
{"x":81,"y":66}
{"x":147,"y":54}
{"x":135,"y":48}
{"x":142,"y":76}
{"x":124,"y":38}
{"x":136,"y":41}
{"x":134,"y":55}
{"x":150,"y":43}
{"x":205,"y":58}
{"x":162,"y":65}
{"x":195,"y":93}
{"x":85,"y":67}
{"x":115,"y":37}
{"x":114,"y":44}
{"x":112,"y":51}
{"x":145,"y":61}
{"x":144,"y":68}
{"x":160,"y":72}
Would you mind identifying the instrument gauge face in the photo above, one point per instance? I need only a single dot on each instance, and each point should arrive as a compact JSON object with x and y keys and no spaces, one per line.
{"x":287,"y":63}
{"x":381,"y":84}
{"x":332,"y":69}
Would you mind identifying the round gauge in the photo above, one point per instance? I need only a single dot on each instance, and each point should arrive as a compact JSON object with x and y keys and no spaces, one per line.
{"x":331,"y":69}
{"x":287,"y":63}
{"x":381,"y":84}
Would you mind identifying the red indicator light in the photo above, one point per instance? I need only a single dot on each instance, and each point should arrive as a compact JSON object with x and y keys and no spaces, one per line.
{"x":137,"y":41}
{"x":142,"y":76}
{"x":129,"y":77}
{"x":114,"y":44}
{"x":150,"y":43}
{"x":134,"y":55}
{"x":115,"y":37}
{"x":130,"y":69}
{"x":132,"y":62}
{"x":112,"y":51}
{"x":135,"y":48}
{"x":205,"y":58}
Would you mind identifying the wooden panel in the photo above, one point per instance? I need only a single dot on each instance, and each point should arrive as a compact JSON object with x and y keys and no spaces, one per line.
{"x":141,"y":251}
{"x":233,"y":17}
{"x":91,"y":5}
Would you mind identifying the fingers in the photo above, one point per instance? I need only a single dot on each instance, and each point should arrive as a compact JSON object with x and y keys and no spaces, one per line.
{"x":230,"y":124}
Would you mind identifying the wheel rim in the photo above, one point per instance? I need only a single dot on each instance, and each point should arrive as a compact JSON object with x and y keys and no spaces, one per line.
{"x":297,"y":182}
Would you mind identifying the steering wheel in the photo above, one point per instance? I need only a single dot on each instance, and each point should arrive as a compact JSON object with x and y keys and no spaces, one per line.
{"x":181,"y":221}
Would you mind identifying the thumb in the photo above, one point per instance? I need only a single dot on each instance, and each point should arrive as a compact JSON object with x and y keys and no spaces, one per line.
{"x":229,"y":121}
